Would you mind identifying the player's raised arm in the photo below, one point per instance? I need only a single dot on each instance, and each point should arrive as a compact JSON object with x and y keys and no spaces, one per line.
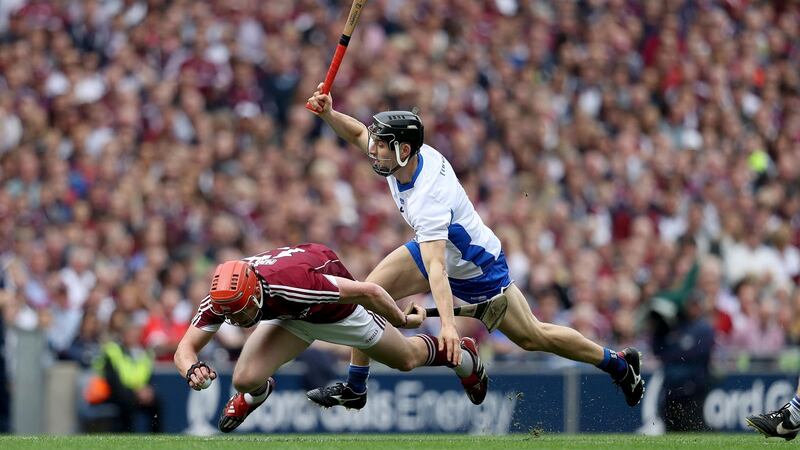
{"x":433,"y":258}
{"x":376,"y":299}
{"x":198,"y":374}
{"x":348,"y":128}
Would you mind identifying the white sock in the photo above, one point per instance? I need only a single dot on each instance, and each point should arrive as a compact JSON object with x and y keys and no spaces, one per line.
{"x":252,"y":399}
{"x":466,"y":366}
{"x":794,"y":408}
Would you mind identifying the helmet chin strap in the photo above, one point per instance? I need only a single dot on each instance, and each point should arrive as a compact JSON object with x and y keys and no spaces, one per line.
{"x":401,"y":163}
{"x":386,"y":172}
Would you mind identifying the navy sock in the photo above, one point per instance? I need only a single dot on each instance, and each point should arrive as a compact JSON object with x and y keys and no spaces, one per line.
{"x":613,"y":364}
{"x":357,"y":378}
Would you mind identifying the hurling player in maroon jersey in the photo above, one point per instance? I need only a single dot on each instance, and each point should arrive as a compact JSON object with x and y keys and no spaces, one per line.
{"x":296,"y":295}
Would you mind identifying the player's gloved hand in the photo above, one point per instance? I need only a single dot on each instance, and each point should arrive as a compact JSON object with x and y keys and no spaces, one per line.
{"x":450,"y":342}
{"x":199,"y":376}
{"x":415,"y":315}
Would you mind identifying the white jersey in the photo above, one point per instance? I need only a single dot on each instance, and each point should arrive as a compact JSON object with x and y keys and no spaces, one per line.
{"x":435,"y":204}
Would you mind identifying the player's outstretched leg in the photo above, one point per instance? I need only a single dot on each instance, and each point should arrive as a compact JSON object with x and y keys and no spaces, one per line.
{"x":241,"y":405}
{"x":775,"y":423}
{"x":471,"y":372}
{"x":406,"y":353}
{"x":524,"y":329}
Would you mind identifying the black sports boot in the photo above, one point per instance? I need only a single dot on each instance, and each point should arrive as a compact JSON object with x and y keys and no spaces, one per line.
{"x":775,"y":423}
{"x":339,"y":394}
{"x":632,"y":384}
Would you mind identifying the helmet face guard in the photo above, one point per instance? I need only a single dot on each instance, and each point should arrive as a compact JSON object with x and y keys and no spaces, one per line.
{"x":394,"y":128}
{"x":382,"y":166}
{"x":236,"y":294}
{"x":248,"y":315}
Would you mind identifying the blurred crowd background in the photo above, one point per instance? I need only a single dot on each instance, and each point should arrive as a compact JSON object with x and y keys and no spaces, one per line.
{"x":634,"y":156}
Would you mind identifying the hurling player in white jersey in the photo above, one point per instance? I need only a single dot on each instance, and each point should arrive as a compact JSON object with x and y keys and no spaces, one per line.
{"x":452,"y":254}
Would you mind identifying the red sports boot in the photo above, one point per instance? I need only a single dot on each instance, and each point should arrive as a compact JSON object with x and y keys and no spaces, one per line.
{"x":477,"y":383}
{"x":237,"y":409}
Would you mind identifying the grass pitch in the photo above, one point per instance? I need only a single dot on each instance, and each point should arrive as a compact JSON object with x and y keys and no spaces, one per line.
{"x":534,"y":439}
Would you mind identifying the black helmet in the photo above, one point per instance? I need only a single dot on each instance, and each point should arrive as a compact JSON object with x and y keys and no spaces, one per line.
{"x":395,"y":128}
{"x":399,"y":126}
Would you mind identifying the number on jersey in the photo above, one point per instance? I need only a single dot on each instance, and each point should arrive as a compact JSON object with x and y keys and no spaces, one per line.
{"x":268,"y":260}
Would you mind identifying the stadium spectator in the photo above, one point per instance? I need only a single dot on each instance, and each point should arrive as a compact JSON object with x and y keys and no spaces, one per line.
{"x":86,"y":344}
{"x":723,"y":305}
{"x":755,"y":327}
{"x":685,"y":349}
{"x":127,"y":368}
{"x":5,"y":398}
{"x":166,"y":324}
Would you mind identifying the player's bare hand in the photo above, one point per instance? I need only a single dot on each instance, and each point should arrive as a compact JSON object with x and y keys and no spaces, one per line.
{"x":450,"y":343}
{"x":321,"y":103}
{"x":200,"y":376}
{"x":415,"y":315}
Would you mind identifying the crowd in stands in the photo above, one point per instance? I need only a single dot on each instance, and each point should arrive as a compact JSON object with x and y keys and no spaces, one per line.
{"x":623,"y":150}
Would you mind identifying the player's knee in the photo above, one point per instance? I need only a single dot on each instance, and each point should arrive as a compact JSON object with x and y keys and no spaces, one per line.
{"x":245,"y":382}
{"x":402,"y":364}
{"x":406,"y":365}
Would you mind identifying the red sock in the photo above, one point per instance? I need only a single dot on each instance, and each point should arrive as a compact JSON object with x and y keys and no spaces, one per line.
{"x":435,"y":356}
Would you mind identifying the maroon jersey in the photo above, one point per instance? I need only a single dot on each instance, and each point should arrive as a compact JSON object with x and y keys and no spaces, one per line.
{"x":297,"y":284}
